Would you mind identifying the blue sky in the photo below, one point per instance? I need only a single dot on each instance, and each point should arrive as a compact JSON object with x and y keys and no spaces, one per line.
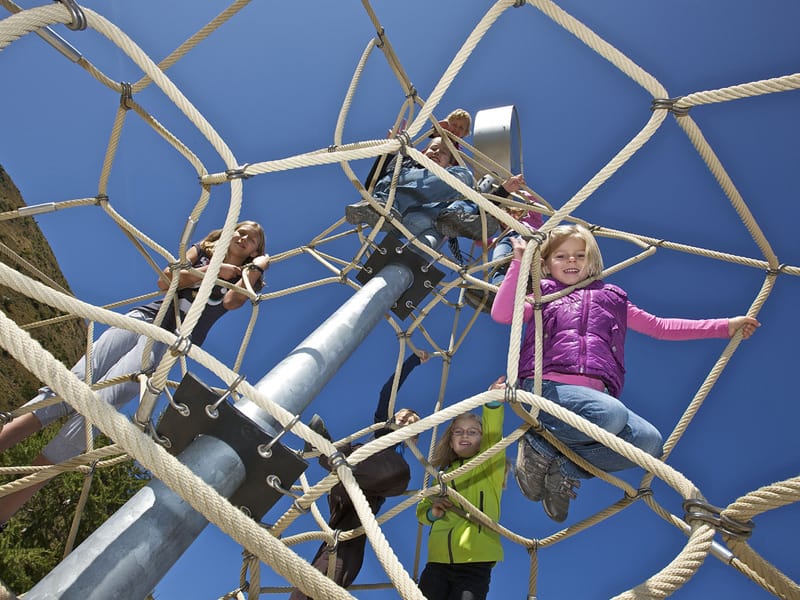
{"x":272,"y":81}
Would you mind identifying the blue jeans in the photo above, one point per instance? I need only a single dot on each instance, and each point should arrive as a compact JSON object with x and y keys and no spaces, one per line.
{"x":502,"y":249}
{"x":421,"y":223}
{"x":604,"y":411}
{"x":116,"y":352}
{"x":420,"y":197}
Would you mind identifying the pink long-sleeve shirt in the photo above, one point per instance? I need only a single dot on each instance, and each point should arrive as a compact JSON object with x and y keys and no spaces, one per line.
{"x":638,"y":320}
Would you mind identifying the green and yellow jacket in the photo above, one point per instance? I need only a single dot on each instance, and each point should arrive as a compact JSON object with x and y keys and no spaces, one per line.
{"x":454,"y":539}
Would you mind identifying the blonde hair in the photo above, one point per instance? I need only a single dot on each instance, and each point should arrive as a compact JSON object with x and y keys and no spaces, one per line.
{"x":443,"y":455}
{"x":460,"y":113}
{"x":558,"y":235}
{"x":209,"y":243}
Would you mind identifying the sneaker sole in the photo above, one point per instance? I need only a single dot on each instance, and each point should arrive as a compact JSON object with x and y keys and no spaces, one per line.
{"x":519,"y":468}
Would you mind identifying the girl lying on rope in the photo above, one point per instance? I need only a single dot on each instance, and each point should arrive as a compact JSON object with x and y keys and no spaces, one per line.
{"x":119,"y":352}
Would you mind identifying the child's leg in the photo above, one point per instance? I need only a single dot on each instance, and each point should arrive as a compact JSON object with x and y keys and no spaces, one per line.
{"x":70,"y":440}
{"x":108,"y":351}
{"x":472,"y":581}
{"x":502,"y":249}
{"x":420,"y":223}
{"x":13,"y":502}
{"x":19,"y":429}
{"x":597,"y":407}
{"x":434,"y":582}
{"x":636,"y":431}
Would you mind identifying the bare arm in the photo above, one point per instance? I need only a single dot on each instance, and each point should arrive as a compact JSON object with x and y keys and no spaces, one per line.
{"x":187,"y":278}
{"x":234,"y":299}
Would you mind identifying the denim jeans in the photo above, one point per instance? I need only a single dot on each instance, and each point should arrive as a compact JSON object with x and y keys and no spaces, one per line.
{"x":421,"y":220}
{"x":502,"y":249}
{"x":604,"y":411}
{"x":420,"y":197}
{"x":116,"y":352}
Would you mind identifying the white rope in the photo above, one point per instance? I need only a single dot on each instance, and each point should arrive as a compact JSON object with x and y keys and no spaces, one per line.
{"x":264,"y":545}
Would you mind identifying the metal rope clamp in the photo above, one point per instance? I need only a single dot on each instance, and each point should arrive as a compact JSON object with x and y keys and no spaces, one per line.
{"x":238,"y":172}
{"x":125,"y":95}
{"x":669,"y":104}
{"x":264,"y":458}
{"x":78,"y":22}
{"x":442,"y":484}
{"x":181,"y":345}
{"x":334,"y":545}
{"x":698,"y":510}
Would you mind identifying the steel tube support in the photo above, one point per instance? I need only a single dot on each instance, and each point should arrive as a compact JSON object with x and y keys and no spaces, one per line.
{"x":130,"y":553}
{"x":298,"y":378}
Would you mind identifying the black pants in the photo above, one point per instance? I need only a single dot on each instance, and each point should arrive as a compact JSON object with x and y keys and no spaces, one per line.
{"x":460,"y":581}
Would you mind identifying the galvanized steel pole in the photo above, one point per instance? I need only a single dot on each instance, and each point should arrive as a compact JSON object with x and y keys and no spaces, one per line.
{"x":129,"y":554}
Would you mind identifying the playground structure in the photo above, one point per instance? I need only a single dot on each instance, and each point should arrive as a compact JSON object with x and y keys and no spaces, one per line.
{"x":275,"y":413}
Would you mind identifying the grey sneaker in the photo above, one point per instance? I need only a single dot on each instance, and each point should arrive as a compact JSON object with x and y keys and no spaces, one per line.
{"x":364,"y":212}
{"x":530,"y":471}
{"x":558,"y":491}
{"x":454,"y":222}
{"x":475,"y":297}
{"x":317,"y":424}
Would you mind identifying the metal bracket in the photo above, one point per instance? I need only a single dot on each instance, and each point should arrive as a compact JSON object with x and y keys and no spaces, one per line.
{"x":426,"y":277}
{"x":241,"y":434}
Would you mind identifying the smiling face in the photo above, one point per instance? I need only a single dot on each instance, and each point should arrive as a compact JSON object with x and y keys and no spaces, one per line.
{"x":437,"y":152}
{"x":465,"y":436}
{"x":567,"y":262}
{"x":246,"y":242}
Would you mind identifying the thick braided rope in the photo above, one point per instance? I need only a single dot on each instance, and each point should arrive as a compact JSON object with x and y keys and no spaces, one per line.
{"x":562,"y":18}
{"x":164,"y":466}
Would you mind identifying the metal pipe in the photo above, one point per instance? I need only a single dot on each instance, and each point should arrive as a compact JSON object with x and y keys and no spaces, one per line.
{"x":298,"y":378}
{"x":129,"y":554}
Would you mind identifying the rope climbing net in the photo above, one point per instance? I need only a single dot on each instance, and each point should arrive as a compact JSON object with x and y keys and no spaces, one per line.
{"x":702,"y":520}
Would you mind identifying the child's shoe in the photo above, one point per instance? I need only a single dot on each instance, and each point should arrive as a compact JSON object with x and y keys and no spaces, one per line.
{"x":317,"y":424}
{"x":475,"y":297}
{"x":364,"y":212}
{"x":455,"y":222}
{"x":530,"y":470}
{"x":558,"y":491}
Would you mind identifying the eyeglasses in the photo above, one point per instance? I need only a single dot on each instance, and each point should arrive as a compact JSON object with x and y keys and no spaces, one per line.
{"x":466,"y":432}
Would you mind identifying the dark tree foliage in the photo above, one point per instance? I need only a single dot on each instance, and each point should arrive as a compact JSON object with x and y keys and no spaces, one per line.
{"x":35,"y":538}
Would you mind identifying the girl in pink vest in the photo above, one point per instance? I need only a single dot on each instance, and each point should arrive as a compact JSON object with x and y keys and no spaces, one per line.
{"x":583,"y":363}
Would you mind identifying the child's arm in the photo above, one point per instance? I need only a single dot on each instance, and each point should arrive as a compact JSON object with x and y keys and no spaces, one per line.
{"x":688,"y":329}
{"x":227,"y":271}
{"x":411,"y":363}
{"x":503,"y":306}
{"x":253,"y":272}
